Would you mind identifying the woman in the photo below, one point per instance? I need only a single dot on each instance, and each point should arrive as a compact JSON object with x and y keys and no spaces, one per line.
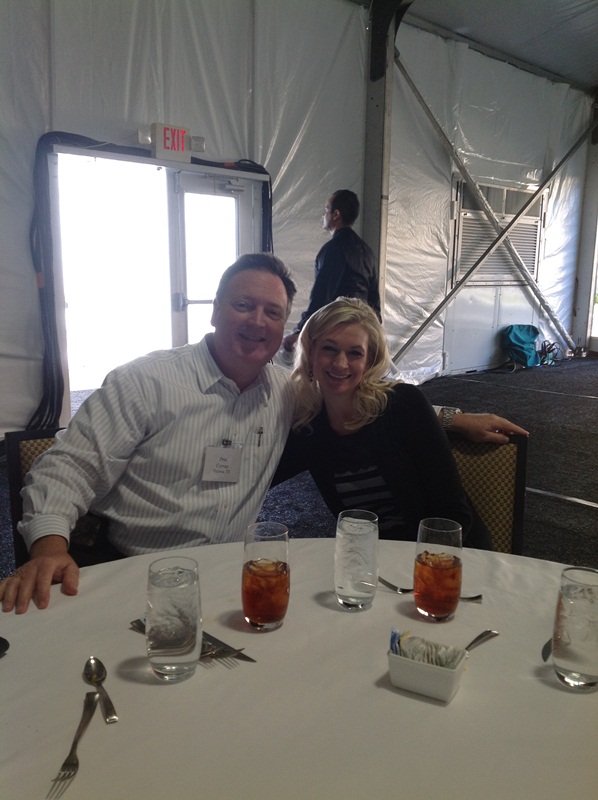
{"x":367,"y":442}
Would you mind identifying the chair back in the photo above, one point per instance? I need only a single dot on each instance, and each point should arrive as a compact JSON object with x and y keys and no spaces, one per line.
{"x":22,"y":448}
{"x":493,"y":475}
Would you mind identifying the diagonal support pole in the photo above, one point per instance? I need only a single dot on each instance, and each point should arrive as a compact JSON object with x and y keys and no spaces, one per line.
{"x":502,"y":233}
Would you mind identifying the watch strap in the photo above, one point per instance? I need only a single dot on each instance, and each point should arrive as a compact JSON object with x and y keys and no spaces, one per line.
{"x":447,"y":416}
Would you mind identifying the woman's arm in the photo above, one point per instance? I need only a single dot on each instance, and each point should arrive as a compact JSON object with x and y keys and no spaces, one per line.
{"x":292,"y":461}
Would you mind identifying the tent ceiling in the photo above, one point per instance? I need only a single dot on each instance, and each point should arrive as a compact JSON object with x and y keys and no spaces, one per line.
{"x":557,"y":37}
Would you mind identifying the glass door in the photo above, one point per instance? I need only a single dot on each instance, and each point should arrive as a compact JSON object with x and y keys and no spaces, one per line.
{"x":139,"y":251}
{"x":207,"y":219}
{"x":113,"y":239}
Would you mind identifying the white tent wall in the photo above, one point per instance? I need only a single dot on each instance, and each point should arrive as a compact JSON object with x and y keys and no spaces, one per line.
{"x":510,"y":128}
{"x":275,"y":81}
{"x":24,"y":100}
{"x":284,"y":84}
{"x":310,"y":127}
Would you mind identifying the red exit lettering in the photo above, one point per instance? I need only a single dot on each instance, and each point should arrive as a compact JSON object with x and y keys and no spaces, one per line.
{"x":174,"y":139}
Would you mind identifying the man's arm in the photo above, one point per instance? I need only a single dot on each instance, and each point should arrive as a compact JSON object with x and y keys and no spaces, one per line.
{"x":87,"y":459}
{"x":84,"y":463}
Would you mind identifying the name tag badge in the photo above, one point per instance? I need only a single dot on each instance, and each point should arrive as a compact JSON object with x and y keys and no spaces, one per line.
{"x":222,"y":464}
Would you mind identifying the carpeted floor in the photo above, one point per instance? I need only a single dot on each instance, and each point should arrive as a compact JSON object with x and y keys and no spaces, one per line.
{"x":557,"y":404}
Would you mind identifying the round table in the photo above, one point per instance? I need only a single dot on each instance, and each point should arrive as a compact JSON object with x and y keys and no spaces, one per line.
{"x":316,"y":716}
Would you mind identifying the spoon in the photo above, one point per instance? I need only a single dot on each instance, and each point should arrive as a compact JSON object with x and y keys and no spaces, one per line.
{"x":4,"y":645}
{"x":402,"y":590}
{"x":94,"y":672}
{"x":484,"y":636}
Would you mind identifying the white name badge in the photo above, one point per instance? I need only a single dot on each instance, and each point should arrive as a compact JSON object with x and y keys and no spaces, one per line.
{"x":222,"y":464}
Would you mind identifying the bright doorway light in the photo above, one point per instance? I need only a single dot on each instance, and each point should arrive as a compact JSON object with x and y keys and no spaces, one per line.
{"x":123,"y":263}
{"x":115,"y":262}
{"x":210,"y":247}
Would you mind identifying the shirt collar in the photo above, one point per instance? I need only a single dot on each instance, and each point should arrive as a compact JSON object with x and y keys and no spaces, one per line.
{"x":209,"y":373}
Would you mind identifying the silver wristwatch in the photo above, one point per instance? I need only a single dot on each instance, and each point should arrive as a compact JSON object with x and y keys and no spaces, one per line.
{"x":447,"y":416}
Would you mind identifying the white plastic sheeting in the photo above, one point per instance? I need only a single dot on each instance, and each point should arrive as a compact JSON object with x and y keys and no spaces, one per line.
{"x":510,"y":128}
{"x":282,"y":83}
{"x":24,"y":100}
{"x":274,"y":81}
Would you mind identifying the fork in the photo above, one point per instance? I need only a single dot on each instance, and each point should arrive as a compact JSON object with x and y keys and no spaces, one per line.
{"x":223,"y":655}
{"x":70,"y":764}
{"x":400,"y":590}
{"x":208,"y":650}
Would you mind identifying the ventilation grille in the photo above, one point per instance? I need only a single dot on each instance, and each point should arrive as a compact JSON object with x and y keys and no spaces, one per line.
{"x":477,"y":234}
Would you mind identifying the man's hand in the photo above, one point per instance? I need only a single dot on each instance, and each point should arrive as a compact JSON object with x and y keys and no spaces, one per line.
{"x":485,"y":427}
{"x":289,"y":341}
{"x":50,"y":563}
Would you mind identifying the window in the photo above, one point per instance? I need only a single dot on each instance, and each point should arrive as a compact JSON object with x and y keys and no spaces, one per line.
{"x":473,"y":234}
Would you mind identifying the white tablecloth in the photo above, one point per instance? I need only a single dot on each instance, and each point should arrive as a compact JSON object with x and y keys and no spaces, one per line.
{"x":316,"y":717}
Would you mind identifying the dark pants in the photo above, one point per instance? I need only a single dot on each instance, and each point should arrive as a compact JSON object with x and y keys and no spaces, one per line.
{"x":89,"y":542}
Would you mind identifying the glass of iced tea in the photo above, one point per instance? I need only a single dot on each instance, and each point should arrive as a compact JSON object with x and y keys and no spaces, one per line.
{"x":437,"y":573}
{"x":266,"y":575}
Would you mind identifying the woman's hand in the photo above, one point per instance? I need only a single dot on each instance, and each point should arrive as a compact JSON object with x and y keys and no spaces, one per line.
{"x":485,"y":427}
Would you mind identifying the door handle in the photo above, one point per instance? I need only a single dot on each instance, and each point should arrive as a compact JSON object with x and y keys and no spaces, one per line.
{"x":180,"y":302}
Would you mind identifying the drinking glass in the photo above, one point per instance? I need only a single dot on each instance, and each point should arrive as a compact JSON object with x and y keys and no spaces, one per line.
{"x":173,"y":618}
{"x":575,"y":636}
{"x":356,"y":559}
{"x":437,"y":572}
{"x":266,"y":580}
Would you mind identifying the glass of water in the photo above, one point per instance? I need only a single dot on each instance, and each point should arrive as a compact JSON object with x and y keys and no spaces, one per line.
{"x":173,"y":618}
{"x":575,"y":636}
{"x":356,"y":559}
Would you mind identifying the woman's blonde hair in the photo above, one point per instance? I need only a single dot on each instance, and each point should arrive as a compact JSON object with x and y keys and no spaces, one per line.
{"x":372,"y":394}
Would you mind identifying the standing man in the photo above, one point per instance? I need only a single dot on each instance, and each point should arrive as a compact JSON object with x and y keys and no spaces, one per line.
{"x":345,"y":266}
{"x":176,"y":449}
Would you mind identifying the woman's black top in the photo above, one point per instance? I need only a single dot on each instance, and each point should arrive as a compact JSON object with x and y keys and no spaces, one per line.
{"x":400,"y":466}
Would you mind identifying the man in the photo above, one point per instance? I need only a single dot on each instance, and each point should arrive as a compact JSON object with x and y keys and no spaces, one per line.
{"x":345,"y":266}
{"x":176,"y":449}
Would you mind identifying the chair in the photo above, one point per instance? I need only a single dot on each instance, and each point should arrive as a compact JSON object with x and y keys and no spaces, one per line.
{"x":493,"y":476}
{"x":22,"y":448}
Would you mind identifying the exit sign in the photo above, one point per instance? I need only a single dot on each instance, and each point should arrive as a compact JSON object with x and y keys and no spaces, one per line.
{"x":170,"y":142}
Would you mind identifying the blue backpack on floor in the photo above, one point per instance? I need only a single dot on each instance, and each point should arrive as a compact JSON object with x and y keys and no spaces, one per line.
{"x":519,"y":343}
